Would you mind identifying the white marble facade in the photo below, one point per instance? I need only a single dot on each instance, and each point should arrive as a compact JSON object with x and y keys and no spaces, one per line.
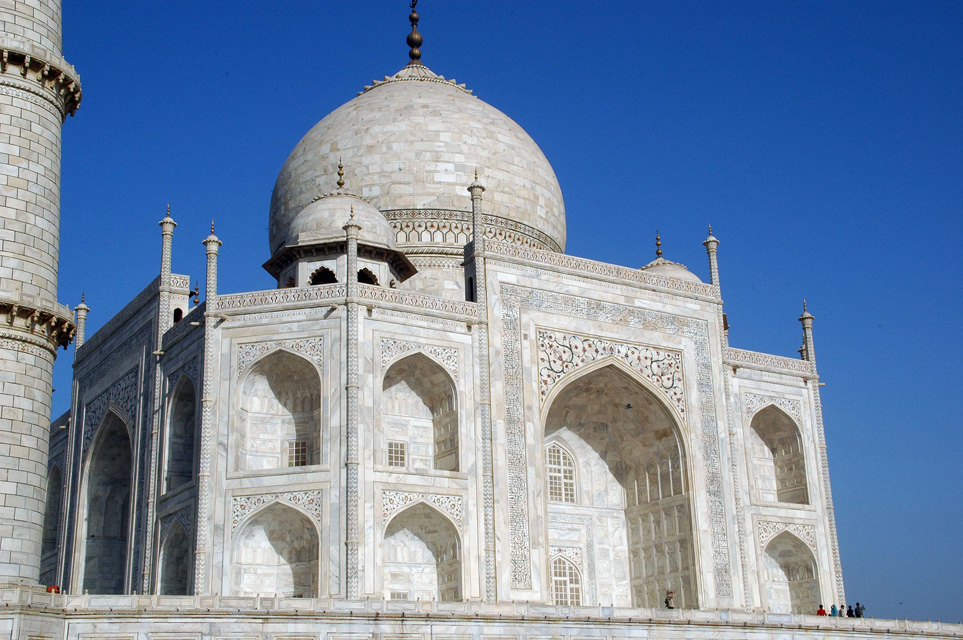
{"x":436,"y":404}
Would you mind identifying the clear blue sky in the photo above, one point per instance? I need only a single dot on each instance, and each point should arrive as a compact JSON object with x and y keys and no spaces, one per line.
{"x":823,"y":142}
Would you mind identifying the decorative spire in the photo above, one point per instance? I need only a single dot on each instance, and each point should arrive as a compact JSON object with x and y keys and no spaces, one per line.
{"x":806,"y":316}
{"x":83,"y":295}
{"x":340,"y":175}
{"x":658,"y":245}
{"x":351,"y":217}
{"x":212,"y":226}
{"x":197,"y":292}
{"x":414,"y":38}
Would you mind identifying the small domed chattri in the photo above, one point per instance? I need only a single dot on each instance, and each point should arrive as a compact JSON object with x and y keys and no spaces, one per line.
{"x":414,"y":38}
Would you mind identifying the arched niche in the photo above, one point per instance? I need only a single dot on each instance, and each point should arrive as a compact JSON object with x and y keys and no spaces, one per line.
{"x":276,"y":552}
{"x":631,"y":488}
{"x":181,"y":429}
{"x":51,"y":516}
{"x":322,"y":275}
{"x":279,"y":418}
{"x":107,"y":508}
{"x":778,"y":462}
{"x":367,"y":276}
{"x":175,"y":562}
{"x":566,"y":583}
{"x":791,"y":579}
{"x":420,"y":415}
{"x":422,"y":556}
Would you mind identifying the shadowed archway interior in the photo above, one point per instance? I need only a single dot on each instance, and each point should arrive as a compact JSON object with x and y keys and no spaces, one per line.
{"x":627,"y":515}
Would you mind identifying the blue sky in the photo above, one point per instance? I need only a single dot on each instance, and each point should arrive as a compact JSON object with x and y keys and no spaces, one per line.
{"x":823,"y":141}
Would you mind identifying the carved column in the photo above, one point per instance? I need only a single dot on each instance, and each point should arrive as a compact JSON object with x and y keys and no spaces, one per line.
{"x":38,"y":88}
{"x":813,"y":383}
{"x":483,"y":384}
{"x":352,"y":387}
{"x":81,"y":310}
{"x":202,"y":583}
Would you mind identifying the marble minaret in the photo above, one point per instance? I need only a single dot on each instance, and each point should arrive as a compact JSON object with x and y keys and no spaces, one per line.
{"x":38,"y":88}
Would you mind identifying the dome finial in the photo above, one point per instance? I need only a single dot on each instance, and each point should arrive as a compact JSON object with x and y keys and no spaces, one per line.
{"x":414,"y":38}
{"x":658,"y":245}
{"x":212,"y":226}
{"x":340,"y":175}
{"x":351,"y":217}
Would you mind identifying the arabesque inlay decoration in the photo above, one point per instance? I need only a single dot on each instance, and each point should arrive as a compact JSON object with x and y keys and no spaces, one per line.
{"x":310,"y":501}
{"x":392,"y":501}
{"x":313,"y":348}
{"x":561,"y":353}
{"x":391,"y":349}
{"x":768,"y":530}
{"x":754,"y":402}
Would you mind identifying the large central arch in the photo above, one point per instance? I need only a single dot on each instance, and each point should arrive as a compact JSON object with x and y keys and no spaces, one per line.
{"x":107,"y":508}
{"x":617,"y":489}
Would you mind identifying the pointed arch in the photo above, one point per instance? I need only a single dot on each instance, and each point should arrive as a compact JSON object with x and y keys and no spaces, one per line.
{"x":790,"y":576}
{"x":276,"y":550}
{"x":52,"y":511}
{"x":778,"y":459}
{"x":175,"y":562}
{"x":561,"y":471}
{"x":422,"y":555}
{"x":367,"y":276}
{"x":322,"y":275}
{"x":566,"y":583}
{"x":628,"y":445}
{"x":180,"y":436}
{"x":420,"y":414}
{"x":279,"y":414}
{"x":107,"y":500}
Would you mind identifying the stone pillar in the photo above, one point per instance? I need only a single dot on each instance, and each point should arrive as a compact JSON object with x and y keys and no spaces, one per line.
{"x":213,"y":244}
{"x":202,"y":584}
{"x":483,"y":384}
{"x":808,"y":352}
{"x":37,"y":90}
{"x":712,"y":244}
{"x":81,"y":311}
{"x":164,"y":304}
{"x":352,"y":389}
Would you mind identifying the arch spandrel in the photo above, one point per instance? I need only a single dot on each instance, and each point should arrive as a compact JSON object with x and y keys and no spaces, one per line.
{"x":562,"y":355}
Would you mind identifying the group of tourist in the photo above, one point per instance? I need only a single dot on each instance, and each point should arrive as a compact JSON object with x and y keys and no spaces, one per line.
{"x":838,"y":612}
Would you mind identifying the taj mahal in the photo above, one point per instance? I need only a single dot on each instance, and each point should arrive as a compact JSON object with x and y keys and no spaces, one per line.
{"x":437,"y":425}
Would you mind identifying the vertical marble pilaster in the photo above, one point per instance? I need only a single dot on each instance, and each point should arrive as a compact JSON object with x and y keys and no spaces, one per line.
{"x":813,"y":383}
{"x":483,"y":385}
{"x":352,"y":388}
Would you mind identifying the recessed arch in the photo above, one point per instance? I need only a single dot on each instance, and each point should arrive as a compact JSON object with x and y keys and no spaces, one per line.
{"x":630,"y":457}
{"x":107,"y":501}
{"x":566,"y":583}
{"x":279,"y":414}
{"x":175,"y":562}
{"x":790,"y":576}
{"x":420,"y":415}
{"x":181,"y":432}
{"x":322,"y":275}
{"x":778,"y":459}
{"x":276,"y":551}
{"x":422,"y":555}
{"x":51,"y":516}
{"x":367,"y":276}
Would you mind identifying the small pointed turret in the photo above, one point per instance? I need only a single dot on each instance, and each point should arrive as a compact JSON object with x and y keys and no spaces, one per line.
{"x":81,"y":310}
{"x":711,"y":244}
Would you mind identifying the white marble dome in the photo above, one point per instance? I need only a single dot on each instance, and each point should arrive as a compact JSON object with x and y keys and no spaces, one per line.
{"x":413,"y":142}
{"x":323,"y":220}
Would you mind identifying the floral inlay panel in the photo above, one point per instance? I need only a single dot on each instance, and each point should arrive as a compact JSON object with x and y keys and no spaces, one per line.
{"x":313,"y":348}
{"x":310,"y":501}
{"x":392,"y":501}
{"x":392,"y":349}
{"x":768,"y":530}
{"x":754,"y":402}
{"x":560,"y":354}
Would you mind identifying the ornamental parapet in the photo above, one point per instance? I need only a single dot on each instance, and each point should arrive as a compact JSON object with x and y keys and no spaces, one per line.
{"x":29,"y":67}
{"x":36,"y":321}
{"x":337,"y":294}
{"x":766,"y":362}
{"x":519,"y":618}
{"x":447,"y":231}
{"x":602,"y":271}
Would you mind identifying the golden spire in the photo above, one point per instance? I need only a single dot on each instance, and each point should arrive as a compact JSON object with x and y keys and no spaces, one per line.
{"x":658,"y":245}
{"x":352,"y":213}
{"x":414,"y":38}
{"x":340,"y":175}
